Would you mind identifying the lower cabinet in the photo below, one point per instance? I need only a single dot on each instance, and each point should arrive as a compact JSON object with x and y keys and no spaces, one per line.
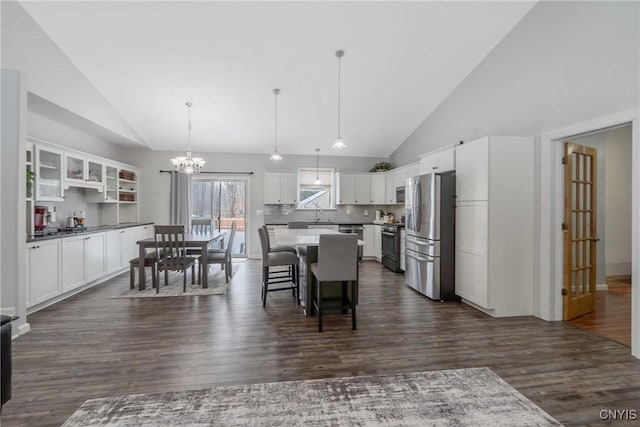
{"x":43,"y":271}
{"x":57,"y":266}
{"x":368,"y":235}
{"x":377,"y":242}
{"x":83,"y":260}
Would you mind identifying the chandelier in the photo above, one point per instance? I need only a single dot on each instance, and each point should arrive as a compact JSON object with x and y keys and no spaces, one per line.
{"x":188,"y":164}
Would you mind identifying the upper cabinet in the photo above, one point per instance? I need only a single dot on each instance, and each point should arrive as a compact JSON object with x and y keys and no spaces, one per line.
{"x":472,"y":175}
{"x":438,"y":161}
{"x":49,"y":172}
{"x":354,"y":189}
{"x":378,"y":188}
{"x":82,"y":171}
{"x":280,"y":188}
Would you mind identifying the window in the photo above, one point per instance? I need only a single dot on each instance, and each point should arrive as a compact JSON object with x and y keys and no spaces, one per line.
{"x":312,"y":195}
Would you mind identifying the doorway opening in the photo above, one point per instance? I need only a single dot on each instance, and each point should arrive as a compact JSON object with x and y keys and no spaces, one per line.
{"x":605,"y":252}
{"x":220,"y":201}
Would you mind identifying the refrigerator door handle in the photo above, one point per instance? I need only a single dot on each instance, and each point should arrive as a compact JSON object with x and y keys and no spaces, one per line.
{"x":415,"y":241}
{"x":417,"y":204}
{"x":417,"y":258}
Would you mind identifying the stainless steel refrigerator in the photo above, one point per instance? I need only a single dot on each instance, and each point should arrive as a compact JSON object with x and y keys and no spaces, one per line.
{"x":430,"y":235}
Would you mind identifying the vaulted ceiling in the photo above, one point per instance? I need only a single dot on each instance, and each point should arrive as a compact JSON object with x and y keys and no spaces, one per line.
{"x":402,"y":59}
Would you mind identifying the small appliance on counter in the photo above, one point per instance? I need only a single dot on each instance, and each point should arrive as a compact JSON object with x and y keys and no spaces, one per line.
{"x":75,"y":222}
{"x":43,"y":219}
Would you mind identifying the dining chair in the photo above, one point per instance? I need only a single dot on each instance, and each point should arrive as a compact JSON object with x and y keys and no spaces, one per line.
{"x":201,"y":225}
{"x":278,"y":259}
{"x":171,"y":253}
{"x":220,"y":256}
{"x":337,"y":262}
{"x":150,"y":260}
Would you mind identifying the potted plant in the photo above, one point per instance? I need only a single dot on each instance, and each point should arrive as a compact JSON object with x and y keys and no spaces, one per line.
{"x":381,"y":167}
{"x":30,"y":178}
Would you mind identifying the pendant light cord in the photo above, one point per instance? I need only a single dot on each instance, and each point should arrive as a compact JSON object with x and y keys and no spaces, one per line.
{"x":275,"y":91}
{"x":189,"y":130}
{"x":339,"y":97}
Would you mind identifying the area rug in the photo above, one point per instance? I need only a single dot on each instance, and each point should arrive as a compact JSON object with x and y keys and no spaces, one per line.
{"x":216,"y":279}
{"x":460,"y":397}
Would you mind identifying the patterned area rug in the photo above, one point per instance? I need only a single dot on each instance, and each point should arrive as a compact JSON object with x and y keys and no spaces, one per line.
{"x":217,"y":285}
{"x":460,"y":397}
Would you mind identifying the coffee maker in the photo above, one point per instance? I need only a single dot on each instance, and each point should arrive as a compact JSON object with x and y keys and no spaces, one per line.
{"x":43,"y":219}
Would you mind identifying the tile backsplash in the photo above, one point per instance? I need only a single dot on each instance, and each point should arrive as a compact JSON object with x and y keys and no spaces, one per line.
{"x":281,"y":214}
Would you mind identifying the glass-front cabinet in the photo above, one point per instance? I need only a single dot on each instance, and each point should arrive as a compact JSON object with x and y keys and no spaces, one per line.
{"x":48,"y":179}
{"x":80,"y":169}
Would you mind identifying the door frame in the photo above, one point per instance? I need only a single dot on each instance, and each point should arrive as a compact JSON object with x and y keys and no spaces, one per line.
{"x":550,"y":199}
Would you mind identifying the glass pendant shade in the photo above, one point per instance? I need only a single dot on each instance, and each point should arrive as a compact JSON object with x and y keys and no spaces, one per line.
{"x":339,"y":144}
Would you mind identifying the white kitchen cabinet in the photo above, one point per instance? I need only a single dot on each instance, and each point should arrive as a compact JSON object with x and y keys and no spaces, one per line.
{"x":377,"y":242}
{"x":378,"y":188}
{"x":368,"y":235}
{"x":494,"y":225}
{"x":43,"y":271}
{"x":390,"y":188}
{"x":73,"y":264}
{"x":48,"y":179}
{"x":94,"y":257}
{"x":113,"y":262}
{"x":81,"y":170}
{"x":402,"y":245}
{"x":353,"y":189}
{"x":280,"y":188}
{"x":83,"y":260}
{"x":442,"y":160}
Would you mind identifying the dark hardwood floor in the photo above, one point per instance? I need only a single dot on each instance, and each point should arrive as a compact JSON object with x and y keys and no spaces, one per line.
{"x":612,"y":316}
{"x":91,"y":346}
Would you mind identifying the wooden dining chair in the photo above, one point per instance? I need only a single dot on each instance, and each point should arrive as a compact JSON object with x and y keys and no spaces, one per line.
{"x":337,"y":262}
{"x":220,"y":256}
{"x":171,"y":253}
{"x":201,"y":225}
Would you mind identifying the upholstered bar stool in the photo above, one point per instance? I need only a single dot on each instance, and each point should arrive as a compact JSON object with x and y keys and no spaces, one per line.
{"x":276,"y":248}
{"x":278,"y":259}
{"x":337,"y":262}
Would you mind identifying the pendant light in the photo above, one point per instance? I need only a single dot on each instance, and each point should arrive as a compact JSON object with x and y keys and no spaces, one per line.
{"x":317,"y":181}
{"x":339,"y":143}
{"x":276,"y":155}
{"x":188,"y":164}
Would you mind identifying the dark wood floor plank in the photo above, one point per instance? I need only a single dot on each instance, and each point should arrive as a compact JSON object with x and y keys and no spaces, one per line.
{"x":91,"y":346}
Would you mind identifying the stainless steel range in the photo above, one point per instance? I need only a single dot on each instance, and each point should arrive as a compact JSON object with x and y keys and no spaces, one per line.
{"x":391,"y":247}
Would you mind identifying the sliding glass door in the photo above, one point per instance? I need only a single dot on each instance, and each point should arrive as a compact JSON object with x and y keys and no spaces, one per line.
{"x":222,"y":201}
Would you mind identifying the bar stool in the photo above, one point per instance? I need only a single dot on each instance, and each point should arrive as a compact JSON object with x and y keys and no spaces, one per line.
{"x":278,"y":259}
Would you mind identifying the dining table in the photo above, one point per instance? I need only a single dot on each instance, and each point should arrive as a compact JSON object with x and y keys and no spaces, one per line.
{"x":309,"y":238}
{"x":192,"y":240}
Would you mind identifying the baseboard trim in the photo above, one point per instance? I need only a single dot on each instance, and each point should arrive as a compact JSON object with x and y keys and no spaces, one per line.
{"x":602,"y":287}
{"x":22,"y":329}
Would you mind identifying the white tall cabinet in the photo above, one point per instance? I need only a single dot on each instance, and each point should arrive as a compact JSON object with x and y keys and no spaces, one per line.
{"x":494,"y":230}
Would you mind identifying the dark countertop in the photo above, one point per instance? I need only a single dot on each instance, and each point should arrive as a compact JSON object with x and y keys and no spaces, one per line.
{"x":86,"y":230}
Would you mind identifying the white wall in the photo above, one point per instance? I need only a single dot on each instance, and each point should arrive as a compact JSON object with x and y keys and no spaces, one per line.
{"x":564,"y":63}
{"x":618,"y":202}
{"x":154,"y":197}
{"x":12,"y":195}
{"x":49,"y":130}
{"x":53,"y":77}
